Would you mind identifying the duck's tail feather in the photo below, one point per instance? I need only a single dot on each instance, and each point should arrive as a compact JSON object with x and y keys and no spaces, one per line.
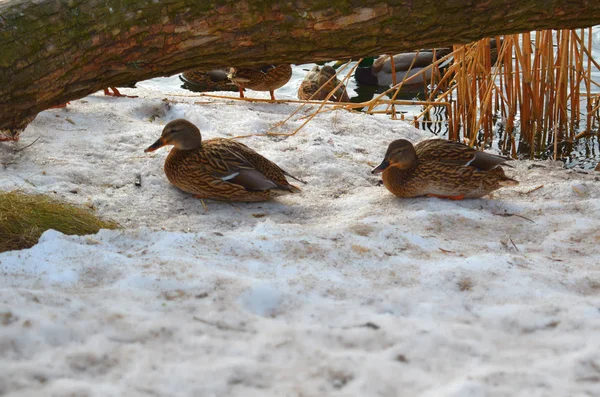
{"x":293,"y":177}
{"x":294,"y":189}
{"x":285,"y":189}
{"x":509,"y":182}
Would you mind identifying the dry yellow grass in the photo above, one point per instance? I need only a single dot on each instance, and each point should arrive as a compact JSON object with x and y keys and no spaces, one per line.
{"x":540,"y":84}
{"x":23,"y":219}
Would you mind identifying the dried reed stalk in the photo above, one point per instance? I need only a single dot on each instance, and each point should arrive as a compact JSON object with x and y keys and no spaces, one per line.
{"x":540,"y":86}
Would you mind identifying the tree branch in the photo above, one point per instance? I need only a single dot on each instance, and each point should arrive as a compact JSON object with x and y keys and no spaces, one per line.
{"x":53,"y":51}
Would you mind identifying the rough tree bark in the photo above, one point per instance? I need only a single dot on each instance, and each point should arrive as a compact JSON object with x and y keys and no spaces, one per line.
{"x":52,"y":51}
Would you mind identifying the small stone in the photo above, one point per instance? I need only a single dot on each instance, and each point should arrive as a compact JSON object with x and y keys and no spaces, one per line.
{"x":402,"y":358}
{"x":535,"y":165}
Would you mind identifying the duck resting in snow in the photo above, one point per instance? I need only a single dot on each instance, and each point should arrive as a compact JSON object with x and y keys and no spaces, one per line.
{"x":441,"y":168}
{"x":218,"y":168}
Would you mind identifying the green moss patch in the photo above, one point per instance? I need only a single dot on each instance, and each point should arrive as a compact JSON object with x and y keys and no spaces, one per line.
{"x":23,"y":219}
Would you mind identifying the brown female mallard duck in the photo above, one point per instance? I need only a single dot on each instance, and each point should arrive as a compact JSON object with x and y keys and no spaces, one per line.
{"x":212,"y":80}
{"x":219,"y":169}
{"x":268,"y":78}
{"x":441,"y":168}
{"x":317,"y":77}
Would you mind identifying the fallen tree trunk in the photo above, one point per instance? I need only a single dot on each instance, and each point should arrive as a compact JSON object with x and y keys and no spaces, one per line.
{"x":53,"y":51}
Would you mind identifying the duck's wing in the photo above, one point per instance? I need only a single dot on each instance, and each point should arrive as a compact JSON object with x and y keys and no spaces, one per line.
{"x":486,"y":161}
{"x":251,"y":180}
{"x":307,"y":89}
{"x":279,"y":75}
{"x":402,"y":62}
{"x":234,"y":162}
{"x":456,"y":153}
{"x":265,"y":166}
{"x":217,"y":75}
{"x":267,"y":68}
{"x":213,"y":80}
{"x":244,"y":76}
{"x":339,"y":94}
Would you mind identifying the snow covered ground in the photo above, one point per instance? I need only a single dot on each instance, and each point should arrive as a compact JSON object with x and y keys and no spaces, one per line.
{"x":343,"y":290}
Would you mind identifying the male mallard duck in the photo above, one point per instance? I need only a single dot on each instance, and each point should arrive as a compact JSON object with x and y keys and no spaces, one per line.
{"x":380,"y":71}
{"x":219,"y":169}
{"x":268,"y":78}
{"x":318,"y":77}
{"x":441,"y":168}
{"x":213,"y":80}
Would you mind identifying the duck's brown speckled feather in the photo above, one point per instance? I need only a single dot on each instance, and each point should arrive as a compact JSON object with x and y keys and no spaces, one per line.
{"x":451,"y":152}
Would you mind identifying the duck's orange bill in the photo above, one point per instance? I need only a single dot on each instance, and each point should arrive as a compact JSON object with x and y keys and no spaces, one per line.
{"x":381,"y":167}
{"x":160,"y":142}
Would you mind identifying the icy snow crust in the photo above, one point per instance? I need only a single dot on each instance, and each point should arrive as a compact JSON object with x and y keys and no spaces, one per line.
{"x":342,"y":290}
